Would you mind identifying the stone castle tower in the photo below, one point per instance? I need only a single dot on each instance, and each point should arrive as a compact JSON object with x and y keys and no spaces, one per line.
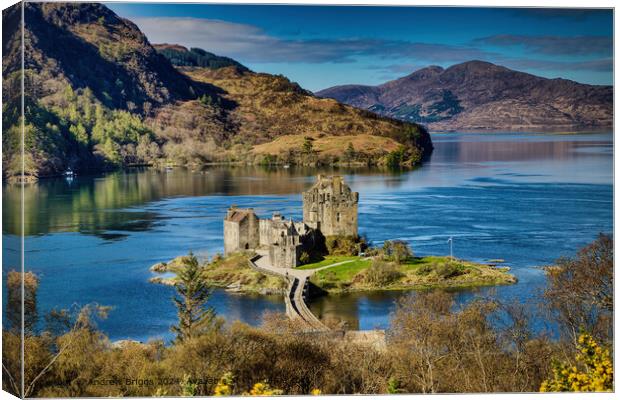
{"x":240,"y":230}
{"x":331,"y":207}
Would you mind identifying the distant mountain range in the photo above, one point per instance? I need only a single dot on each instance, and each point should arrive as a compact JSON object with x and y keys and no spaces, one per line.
{"x":98,"y":95}
{"x":478,"y":95}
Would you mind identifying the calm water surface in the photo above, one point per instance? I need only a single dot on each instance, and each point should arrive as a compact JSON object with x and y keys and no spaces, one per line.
{"x":524,"y":198}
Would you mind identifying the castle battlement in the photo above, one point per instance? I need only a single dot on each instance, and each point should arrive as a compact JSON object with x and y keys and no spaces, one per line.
{"x":331,"y":206}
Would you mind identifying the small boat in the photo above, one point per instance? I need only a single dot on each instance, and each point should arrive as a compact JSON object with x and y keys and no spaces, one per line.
{"x":69,"y":173}
{"x":287,"y":166}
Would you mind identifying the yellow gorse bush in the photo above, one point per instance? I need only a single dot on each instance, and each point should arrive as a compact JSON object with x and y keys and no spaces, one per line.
{"x":224,"y":385}
{"x":263,"y":389}
{"x":593,"y":372}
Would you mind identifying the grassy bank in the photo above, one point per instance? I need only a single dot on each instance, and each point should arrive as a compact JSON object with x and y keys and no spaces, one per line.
{"x":413,"y":273}
{"x":232,"y":273}
{"x":328,"y":260}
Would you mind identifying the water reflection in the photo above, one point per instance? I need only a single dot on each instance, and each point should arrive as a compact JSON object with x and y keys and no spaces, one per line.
{"x":517,"y":147}
{"x":95,"y":204}
{"x":373,"y":310}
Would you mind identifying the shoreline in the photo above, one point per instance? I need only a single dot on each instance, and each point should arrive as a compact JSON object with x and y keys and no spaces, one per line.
{"x":234,"y":276}
{"x":416,"y":287}
{"x":28,"y":179}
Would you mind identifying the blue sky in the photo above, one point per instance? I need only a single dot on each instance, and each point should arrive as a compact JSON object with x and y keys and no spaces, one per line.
{"x":322,"y":46}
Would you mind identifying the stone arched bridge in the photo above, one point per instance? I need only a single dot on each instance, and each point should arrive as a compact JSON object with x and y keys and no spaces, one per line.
{"x":298,"y":288}
{"x":297,"y":309}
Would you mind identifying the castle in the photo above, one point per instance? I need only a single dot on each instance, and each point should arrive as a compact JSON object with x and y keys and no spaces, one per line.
{"x":329,"y":209}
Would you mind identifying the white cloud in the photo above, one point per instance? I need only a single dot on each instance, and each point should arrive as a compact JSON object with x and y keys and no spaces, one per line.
{"x":248,"y":43}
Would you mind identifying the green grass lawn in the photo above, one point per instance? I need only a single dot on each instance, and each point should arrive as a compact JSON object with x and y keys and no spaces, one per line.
{"x":344,"y":272}
{"x":327,"y":261}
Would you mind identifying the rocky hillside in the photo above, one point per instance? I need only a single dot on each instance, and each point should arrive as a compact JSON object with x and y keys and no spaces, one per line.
{"x":275,"y":120}
{"x":99,"y":95}
{"x":478,"y":95}
{"x":90,"y":78}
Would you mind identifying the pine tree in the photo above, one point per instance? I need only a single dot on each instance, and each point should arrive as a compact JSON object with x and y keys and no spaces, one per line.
{"x":349,"y":153}
{"x":192,"y":295}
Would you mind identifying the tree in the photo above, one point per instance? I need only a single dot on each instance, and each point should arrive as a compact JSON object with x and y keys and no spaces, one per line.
{"x":307,"y":147}
{"x":14,"y":301}
{"x":397,"y":250}
{"x":69,"y":94}
{"x":193,"y":292}
{"x":439,"y":349}
{"x":110,"y":150}
{"x":580,"y":291}
{"x":396,"y":158}
{"x":79,"y":133}
{"x":51,"y":350}
{"x":349,"y":153}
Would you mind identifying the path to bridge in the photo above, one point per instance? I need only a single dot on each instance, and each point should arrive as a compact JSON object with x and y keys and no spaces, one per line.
{"x":297,"y":279}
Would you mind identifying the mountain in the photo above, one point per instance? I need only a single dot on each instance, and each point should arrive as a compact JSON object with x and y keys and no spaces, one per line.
{"x":90,"y":77}
{"x":478,"y":95}
{"x":278,"y":117}
{"x":98,"y":95}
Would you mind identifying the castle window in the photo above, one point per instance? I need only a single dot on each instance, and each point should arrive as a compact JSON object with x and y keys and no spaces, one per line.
{"x":338,"y":217}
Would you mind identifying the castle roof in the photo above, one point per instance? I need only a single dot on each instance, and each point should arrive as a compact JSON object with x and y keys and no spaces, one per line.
{"x":239,"y":214}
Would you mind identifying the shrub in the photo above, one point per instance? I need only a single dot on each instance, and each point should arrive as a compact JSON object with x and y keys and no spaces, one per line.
{"x":397,"y":250}
{"x":304,"y":258}
{"x":344,"y":245}
{"x":269,"y":159}
{"x":593,"y":371}
{"x":382,"y":273}
{"x":426,"y":269}
{"x":449,"y":270}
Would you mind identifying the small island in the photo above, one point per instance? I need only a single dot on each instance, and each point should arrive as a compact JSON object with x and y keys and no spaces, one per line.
{"x":337,"y":274}
{"x":323,"y":254}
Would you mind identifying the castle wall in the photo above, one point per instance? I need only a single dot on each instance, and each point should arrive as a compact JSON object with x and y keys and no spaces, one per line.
{"x":331,"y":207}
{"x":252,"y":232}
{"x":284,"y":256}
{"x":231,"y":237}
{"x":241,"y":231}
{"x":265,"y":232}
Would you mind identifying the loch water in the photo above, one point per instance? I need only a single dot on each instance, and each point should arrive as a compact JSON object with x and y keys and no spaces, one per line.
{"x":526,"y":198}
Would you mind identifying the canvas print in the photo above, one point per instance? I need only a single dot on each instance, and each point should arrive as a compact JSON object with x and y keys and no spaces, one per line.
{"x":231,"y":200}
